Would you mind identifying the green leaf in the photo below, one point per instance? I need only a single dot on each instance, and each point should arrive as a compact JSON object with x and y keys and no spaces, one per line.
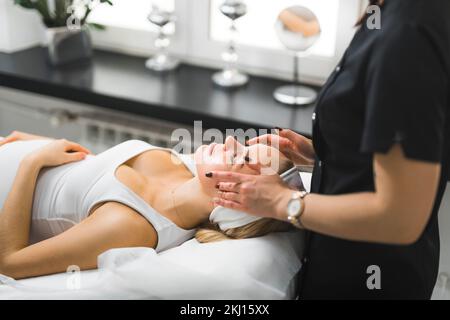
{"x":25,"y":4}
{"x":96,"y":26}
{"x":60,"y":16}
{"x":88,"y":11}
{"x":107,"y":1}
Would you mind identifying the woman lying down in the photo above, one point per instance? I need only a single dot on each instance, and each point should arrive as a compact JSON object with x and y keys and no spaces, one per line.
{"x":62,"y":206}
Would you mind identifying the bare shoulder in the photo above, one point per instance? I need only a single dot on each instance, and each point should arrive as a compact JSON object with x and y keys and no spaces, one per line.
{"x":157,"y":162}
{"x":128,"y":224}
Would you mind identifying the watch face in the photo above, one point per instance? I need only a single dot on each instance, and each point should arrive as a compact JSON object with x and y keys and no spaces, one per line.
{"x":294,"y":207}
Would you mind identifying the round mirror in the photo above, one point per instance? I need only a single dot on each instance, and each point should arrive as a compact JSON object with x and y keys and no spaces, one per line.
{"x":298,"y":29}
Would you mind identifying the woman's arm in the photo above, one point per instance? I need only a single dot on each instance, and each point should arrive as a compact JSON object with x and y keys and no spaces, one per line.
{"x":15,"y":215}
{"x":113,"y":225}
{"x":396,"y":213}
{"x":16,"y":212}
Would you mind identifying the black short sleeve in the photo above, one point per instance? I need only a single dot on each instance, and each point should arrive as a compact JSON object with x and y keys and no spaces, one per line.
{"x":406,"y":91}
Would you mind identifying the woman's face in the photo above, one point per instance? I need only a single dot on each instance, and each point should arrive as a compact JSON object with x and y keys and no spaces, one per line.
{"x":233,"y":156}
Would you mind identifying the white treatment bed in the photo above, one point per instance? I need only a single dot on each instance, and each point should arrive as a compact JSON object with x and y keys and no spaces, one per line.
{"x":258,"y":268}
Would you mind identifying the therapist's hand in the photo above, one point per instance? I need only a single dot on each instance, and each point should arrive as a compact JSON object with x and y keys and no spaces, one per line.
{"x":294,"y":146}
{"x":261,"y":195}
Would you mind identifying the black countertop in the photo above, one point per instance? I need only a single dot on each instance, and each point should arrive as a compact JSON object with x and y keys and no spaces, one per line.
{"x":122,"y":82}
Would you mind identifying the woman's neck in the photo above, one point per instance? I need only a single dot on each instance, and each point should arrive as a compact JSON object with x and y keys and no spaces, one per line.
{"x":190,"y":204}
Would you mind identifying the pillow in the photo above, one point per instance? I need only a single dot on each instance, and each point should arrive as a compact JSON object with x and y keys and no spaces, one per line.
{"x":257,"y":268}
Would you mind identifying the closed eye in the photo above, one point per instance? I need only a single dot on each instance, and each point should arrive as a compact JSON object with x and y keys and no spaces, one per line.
{"x":232,"y":158}
{"x":245,"y":158}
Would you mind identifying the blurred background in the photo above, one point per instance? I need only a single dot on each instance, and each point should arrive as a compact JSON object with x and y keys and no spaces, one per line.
{"x":102,"y":72}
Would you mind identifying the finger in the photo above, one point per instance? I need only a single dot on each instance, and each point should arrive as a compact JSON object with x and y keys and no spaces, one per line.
{"x":254,"y":166}
{"x":252,"y":141}
{"x":230,"y":196}
{"x":298,"y":140}
{"x":76,"y":156}
{"x":228,"y":186}
{"x":8,"y":140}
{"x":301,"y":143}
{"x":226,"y":176}
{"x":272,"y":140}
{"x":75,"y":147}
{"x":72,"y":146}
{"x":283,"y":144}
{"x":276,"y":141}
{"x":269,"y":171}
{"x":229,"y":204}
{"x":297,"y":158}
{"x":86,"y":150}
{"x":264,"y":139}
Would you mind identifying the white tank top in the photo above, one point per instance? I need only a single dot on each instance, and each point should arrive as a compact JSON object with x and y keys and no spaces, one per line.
{"x":65,"y":195}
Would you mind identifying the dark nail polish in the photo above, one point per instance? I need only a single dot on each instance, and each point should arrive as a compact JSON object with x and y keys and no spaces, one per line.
{"x":208,"y":174}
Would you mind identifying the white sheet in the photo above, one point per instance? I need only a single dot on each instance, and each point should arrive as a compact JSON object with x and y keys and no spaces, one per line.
{"x":259,"y":268}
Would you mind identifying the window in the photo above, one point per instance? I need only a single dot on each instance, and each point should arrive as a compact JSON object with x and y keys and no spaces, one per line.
{"x":202,"y":32}
{"x":129,"y":31}
{"x":256,"y":28}
{"x":260,"y":51}
{"x":128,"y":14}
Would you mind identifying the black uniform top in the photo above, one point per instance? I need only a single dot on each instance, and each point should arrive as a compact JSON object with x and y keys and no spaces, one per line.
{"x":392,"y":86}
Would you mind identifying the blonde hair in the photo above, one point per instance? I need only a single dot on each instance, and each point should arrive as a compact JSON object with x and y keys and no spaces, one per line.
{"x":210,"y":232}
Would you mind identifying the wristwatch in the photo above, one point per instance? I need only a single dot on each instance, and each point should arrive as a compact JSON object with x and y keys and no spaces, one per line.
{"x":296,"y":207}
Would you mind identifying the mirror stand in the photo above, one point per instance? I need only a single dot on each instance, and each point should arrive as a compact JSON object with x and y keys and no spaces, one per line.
{"x":298,"y":29}
{"x":295,"y":94}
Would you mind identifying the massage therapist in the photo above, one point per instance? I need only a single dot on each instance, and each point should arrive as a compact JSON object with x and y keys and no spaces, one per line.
{"x":381,"y":155}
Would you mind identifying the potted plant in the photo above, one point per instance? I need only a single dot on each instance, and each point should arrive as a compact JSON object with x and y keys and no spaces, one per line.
{"x":67,"y":34}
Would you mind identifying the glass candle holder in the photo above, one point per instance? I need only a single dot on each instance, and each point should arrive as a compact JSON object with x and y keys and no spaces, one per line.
{"x":161,"y":61}
{"x":230,"y":76}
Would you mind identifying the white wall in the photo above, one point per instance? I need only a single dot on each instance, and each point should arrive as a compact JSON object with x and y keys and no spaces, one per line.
{"x":19,"y":28}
